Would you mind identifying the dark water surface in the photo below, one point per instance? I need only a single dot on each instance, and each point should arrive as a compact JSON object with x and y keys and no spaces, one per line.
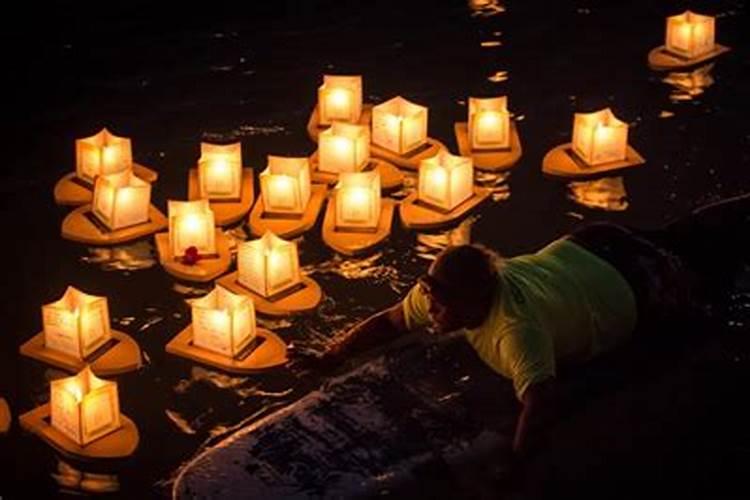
{"x":169,"y":79}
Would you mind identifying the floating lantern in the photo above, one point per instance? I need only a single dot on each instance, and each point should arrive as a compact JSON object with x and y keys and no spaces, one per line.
{"x":220,"y":171}
{"x":358,"y":201}
{"x":599,"y":137}
{"x":121,"y":200}
{"x":489,"y":123}
{"x":269,"y":265}
{"x":340,"y":99}
{"x":285,"y":185}
{"x":77,"y":324}
{"x":690,"y":35}
{"x":191,"y":224}
{"x":101,"y":154}
{"x":343,"y":147}
{"x":84,"y":408}
{"x":223,"y":322}
{"x":445,"y":180}
{"x":399,"y":125}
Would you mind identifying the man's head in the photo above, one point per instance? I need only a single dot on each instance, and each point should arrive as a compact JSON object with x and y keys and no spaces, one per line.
{"x":461,"y":285}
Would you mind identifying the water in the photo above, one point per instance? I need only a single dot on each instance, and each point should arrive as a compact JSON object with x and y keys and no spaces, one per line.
{"x":167,"y":81}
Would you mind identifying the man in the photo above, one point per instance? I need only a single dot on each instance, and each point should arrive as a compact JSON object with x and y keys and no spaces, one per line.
{"x":578,"y":297}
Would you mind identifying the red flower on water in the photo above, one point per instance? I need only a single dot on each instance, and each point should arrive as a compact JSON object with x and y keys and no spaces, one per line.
{"x":191,"y":256}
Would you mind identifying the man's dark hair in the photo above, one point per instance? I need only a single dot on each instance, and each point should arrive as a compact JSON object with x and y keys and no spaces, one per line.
{"x":468,"y":271}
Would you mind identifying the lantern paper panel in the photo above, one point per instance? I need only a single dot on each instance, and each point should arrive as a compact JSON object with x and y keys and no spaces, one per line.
{"x":358,"y":200}
{"x":399,"y":125}
{"x":344,"y":147}
{"x":220,"y":171}
{"x":445,"y":180}
{"x":121,"y":200}
{"x":690,"y":35}
{"x":285,"y":185}
{"x":77,"y":324}
{"x":84,"y":408}
{"x":101,"y":154}
{"x":489,"y":123}
{"x":268,"y":265}
{"x":599,"y":137}
{"x":340,"y":99}
{"x":223,"y":322}
{"x":191,"y":224}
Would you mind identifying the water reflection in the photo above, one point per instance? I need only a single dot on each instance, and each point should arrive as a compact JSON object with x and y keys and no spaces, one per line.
{"x":689,"y":85}
{"x":498,"y":76}
{"x":496,"y":182}
{"x":131,"y":257}
{"x":429,"y":245}
{"x":607,"y":193}
{"x":75,"y":481}
{"x":485,"y":8}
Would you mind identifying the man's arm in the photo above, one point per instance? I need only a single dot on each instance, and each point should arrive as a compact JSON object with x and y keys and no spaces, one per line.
{"x":541,"y":404}
{"x":378,"y":329}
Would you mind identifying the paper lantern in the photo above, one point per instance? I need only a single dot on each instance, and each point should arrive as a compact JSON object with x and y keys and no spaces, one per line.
{"x":343,"y":147}
{"x":121,"y":200}
{"x":101,"y":154}
{"x":358,"y":201}
{"x":489,"y":123}
{"x":690,"y":35}
{"x":223,"y":322}
{"x":268,"y":265}
{"x":399,"y":125}
{"x":599,"y":137}
{"x":77,"y":324}
{"x":285,"y":185}
{"x":83,"y":407}
{"x":340,"y":98}
{"x":445,"y":180}
{"x":191,"y":224}
{"x":220,"y":171}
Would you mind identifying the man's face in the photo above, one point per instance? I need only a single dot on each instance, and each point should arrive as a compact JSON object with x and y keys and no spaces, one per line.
{"x":446,"y":312}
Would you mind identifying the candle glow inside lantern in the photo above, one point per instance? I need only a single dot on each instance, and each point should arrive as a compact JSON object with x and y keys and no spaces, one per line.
{"x":599,"y":137}
{"x":77,"y":324}
{"x":690,"y":35}
{"x":220,"y":171}
{"x":101,"y":154}
{"x":84,"y":408}
{"x":285,"y":185}
{"x":121,"y":200}
{"x":223,"y":322}
{"x":445,"y":180}
{"x":399,"y":125}
{"x":268,"y":265}
{"x":358,"y":201}
{"x":340,"y":99}
{"x":191,"y":224}
{"x":489,"y":123}
{"x":344,"y":147}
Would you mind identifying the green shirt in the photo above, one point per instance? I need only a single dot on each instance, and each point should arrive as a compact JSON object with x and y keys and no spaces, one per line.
{"x":561,"y":303}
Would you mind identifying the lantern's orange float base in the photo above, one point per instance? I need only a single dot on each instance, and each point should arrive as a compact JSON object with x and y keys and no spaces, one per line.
{"x":357,"y":242}
{"x":5,"y":417}
{"x":490,"y":160}
{"x":231,"y":211}
{"x":287,"y":226}
{"x":267,"y":350}
{"x":206,"y":269}
{"x":418,"y":215}
{"x":563,"y":162}
{"x":662,"y":60}
{"x":410,"y":160}
{"x":390,"y":176}
{"x":302,"y":299}
{"x":118,"y":444}
{"x":314,"y":128}
{"x":80,"y":225}
{"x":121,"y":354}
{"x":71,"y":191}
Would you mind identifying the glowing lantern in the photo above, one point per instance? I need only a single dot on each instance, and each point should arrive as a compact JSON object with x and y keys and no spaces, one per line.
{"x":84,"y":407}
{"x":191,"y":224}
{"x":343,"y":147}
{"x":340,"y":98}
{"x":121,"y":200}
{"x":599,"y":137}
{"x":102,"y":154}
{"x":285,"y":185}
{"x":223,"y":322}
{"x":399,"y":125}
{"x":77,"y":324}
{"x":268,"y":265}
{"x":220,"y":171}
{"x":690,"y":35}
{"x":358,"y":200}
{"x":489,"y":123}
{"x":445,"y":180}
